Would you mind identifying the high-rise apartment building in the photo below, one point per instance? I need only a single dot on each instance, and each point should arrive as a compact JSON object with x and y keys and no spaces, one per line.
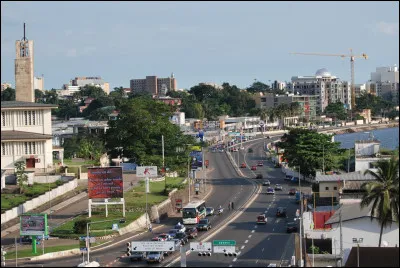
{"x":154,"y":85}
{"x":385,"y":83}
{"x":329,"y":89}
{"x":38,"y":83}
{"x":24,"y":90}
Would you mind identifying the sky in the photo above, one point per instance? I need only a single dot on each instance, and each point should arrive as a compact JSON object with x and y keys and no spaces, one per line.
{"x":234,"y":42}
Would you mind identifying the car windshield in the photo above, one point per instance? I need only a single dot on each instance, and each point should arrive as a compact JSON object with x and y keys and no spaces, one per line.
{"x":203,"y":222}
{"x":189,"y":213}
{"x":261,"y":217}
{"x":154,"y":253}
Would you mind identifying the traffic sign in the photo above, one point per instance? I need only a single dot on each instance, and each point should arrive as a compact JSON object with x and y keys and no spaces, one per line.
{"x":200,"y":246}
{"x":224,"y":243}
{"x":153,"y":246}
{"x":224,"y":249}
{"x":115,"y":226}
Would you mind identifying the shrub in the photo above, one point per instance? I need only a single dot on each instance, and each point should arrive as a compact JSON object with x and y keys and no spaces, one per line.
{"x":80,"y":226}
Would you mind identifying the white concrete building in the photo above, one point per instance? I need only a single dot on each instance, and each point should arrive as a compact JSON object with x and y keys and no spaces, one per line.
{"x":79,"y":82}
{"x":356,"y":223}
{"x":329,"y":88}
{"x":384,"y":82}
{"x":26,"y":135}
{"x":38,"y":83}
{"x":367,"y":153}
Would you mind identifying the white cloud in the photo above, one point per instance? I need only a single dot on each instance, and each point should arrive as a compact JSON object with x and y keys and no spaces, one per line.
{"x":388,"y":28}
{"x":71,"y":52}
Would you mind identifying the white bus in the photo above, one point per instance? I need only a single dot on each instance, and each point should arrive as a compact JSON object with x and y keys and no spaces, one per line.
{"x":193,"y":212}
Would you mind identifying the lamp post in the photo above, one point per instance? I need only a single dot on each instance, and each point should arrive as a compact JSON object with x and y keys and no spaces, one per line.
{"x":358,"y":241}
{"x":301,"y":222}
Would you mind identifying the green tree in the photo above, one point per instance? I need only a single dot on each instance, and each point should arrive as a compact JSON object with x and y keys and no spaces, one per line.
{"x":100,"y":102}
{"x":51,"y":96}
{"x":39,"y":96}
{"x":336,"y":110}
{"x":22,"y":177}
{"x":8,"y":94}
{"x":383,"y":193}
{"x":71,"y":146}
{"x":310,"y":150}
{"x":67,"y":109}
{"x":91,"y":148}
{"x":258,"y":87}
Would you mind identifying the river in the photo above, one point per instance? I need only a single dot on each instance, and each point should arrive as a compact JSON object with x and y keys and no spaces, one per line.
{"x":389,"y":138}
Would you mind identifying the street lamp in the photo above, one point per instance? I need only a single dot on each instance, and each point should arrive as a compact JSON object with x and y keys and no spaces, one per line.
{"x":301,"y":222}
{"x":358,"y":241}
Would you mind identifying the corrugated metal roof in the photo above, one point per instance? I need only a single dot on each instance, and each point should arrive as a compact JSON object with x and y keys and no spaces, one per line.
{"x":349,"y":212}
{"x":352,"y":176}
{"x":25,"y":104}
{"x":11,"y":135}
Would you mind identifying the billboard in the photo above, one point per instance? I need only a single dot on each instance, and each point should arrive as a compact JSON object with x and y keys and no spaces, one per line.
{"x":146,"y":171}
{"x":197,"y":159}
{"x":105,"y":182}
{"x":33,"y":224}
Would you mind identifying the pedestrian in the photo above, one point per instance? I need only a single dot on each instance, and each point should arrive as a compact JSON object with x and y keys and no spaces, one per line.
{"x":232,"y":205}
{"x":229,"y":205}
{"x":150,"y":228}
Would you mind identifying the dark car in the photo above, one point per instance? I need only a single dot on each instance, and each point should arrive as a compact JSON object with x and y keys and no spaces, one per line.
{"x":250,"y":150}
{"x":292,"y":191}
{"x":259,"y":177}
{"x":281,"y":212}
{"x":204,"y":224}
{"x":182,"y":237}
{"x":192,"y":232}
{"x":253,"y":167}
{"x":137,"y":256}
{"x":291,"y":227}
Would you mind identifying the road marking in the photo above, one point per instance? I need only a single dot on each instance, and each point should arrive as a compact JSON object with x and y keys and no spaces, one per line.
{"x":266,"y":211}
{"x":273,"y":229}
{"x":249,"y":236}
{"x":239,"y":252}
{"x":269,"y":238}
{"x":253,"y":231}
{"x":230,"y":265}
{"x":246,"y":241}
{"x":255,"y":227}
{"x":235,"y":259}
{"x":242,"y":247}
{"x":256,"y":261}
{"x":262,"y":250}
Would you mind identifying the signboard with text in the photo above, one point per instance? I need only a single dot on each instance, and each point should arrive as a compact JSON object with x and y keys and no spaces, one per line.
{"x":152,"y":246}
{"x":200,"y":246}
{"x":33,"y":224}
{"x":105,"y":182}
{"x":146,"y":171}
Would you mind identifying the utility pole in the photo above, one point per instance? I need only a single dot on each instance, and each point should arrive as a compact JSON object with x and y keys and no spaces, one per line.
{"x":301,"y":223}
{"x":348,"y":163}
{"x":203,"y":169}
{"x":163,"y":166}
{"x":341,"y":238}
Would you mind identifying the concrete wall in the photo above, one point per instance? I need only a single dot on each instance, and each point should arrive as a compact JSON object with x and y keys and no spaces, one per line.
{"x":46,"y":179}
{"x":38,"y":201}
{"x":139,"y":224}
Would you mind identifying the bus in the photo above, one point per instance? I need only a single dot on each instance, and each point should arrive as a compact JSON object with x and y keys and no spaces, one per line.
{"x":193,"y":212}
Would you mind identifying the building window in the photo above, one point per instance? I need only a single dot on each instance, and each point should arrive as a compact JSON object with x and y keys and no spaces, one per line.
{"x":5,"y":148}
{"x":3,"y":119}
{"x":335,"y":188}
{"x":30,"y":147}
{"x":29,"y":118}
{"x":326,"y":188}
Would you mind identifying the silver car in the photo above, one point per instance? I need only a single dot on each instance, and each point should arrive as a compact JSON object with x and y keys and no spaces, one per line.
{"x":266,"y":183}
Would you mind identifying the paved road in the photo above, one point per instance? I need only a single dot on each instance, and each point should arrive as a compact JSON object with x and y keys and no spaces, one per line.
{"x":257,"y":245}
{"x":226,"y":187}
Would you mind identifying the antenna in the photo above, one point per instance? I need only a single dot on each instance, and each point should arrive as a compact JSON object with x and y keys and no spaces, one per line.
{"x":24,"y":32}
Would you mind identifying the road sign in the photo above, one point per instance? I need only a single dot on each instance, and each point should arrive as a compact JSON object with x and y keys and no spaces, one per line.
{"x":224,"y":243}
{"x":146,"y":171}
{"x":200,"y":246}
{"x":153,"y":246}
{"x":115,"y":226}
{"x":224,"y":249}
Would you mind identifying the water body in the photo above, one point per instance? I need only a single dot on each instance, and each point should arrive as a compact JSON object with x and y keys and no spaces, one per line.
{"x":389,"y":138}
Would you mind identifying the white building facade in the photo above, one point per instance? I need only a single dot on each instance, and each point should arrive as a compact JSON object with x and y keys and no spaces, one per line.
{"x":385,"y":83}
{"x":26,"y":135}
{"x":329,"y":89}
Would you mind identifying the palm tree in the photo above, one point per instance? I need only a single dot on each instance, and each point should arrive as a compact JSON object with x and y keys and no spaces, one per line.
{"x":383,"y":193}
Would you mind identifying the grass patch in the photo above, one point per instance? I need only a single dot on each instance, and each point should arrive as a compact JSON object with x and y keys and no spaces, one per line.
{"x":9,"y":201}
{"x":135,"y":201}
{"x":24,"y":253}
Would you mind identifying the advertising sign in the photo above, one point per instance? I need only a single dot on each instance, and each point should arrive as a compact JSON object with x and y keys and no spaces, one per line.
{"x":146,"y":171}
{"x":197,"y":186}
{"x":178,"y":203}
{"x":153,"y":246}
{"x":105,"y":182}
{"x":33,"y":224}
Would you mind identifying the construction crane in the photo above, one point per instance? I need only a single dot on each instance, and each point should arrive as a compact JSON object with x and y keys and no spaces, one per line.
{"x":352,"y":58}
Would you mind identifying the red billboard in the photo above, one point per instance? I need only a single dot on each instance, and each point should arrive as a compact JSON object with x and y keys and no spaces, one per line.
{"x":105,"y":182}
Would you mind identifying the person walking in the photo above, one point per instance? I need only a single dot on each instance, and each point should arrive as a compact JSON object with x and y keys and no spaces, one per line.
{"x":229,"y":205}
{"x":232,"y":205}
{"x":150,"y":228}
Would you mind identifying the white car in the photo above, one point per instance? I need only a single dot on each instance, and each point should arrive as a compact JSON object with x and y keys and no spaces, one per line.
{"x":181,"y":228}
{"x":266,"y":183}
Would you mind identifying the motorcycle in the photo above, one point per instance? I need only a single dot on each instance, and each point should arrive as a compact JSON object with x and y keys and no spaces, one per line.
{"x":220,"y":211}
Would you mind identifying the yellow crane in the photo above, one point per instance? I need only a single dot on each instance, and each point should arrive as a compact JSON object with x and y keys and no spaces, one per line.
{"x":352,"y":58}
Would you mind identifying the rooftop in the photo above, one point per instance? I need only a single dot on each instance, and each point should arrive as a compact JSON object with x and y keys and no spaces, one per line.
{"x":350,"y":212}
{"x":25,"y":104}
{"x":352,"y":176}
{"x":12,"y":135}
{"x":374,"y":257}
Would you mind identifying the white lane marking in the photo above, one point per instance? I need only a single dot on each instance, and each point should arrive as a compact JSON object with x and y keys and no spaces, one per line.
{"x":249,"y":236}
{"x":253,"y":231}
{"x":247,"y":241}
{"x":239,"y":252}
{"x":242,"y":247}
{"x":266,"y":211}
{"x":235,"y":259}
{"x":256,"y":261}
{"x":230,"y":265}
{"x":262,"y":250}
{"x":255,"y":227}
